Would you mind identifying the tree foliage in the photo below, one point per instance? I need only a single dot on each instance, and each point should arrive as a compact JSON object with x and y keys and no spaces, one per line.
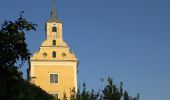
{"x":13,"y":49}
{"x":12,"y":41}
{"x":109,"y":92}
{"x":14,"y":87}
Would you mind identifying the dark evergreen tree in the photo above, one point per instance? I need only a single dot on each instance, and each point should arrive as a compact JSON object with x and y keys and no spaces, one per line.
{"x":109,"y":92}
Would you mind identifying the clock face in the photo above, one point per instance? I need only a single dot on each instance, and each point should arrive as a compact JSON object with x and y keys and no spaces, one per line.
{"x":44,"y":54}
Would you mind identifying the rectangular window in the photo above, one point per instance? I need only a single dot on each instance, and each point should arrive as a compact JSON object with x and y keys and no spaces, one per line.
{"x":55,"y":95}
{"x":54,"y":42}
{"x":53,"y":78}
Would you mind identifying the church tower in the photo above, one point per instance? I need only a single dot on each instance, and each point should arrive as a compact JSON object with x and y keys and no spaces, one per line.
{"x":54,"y":66}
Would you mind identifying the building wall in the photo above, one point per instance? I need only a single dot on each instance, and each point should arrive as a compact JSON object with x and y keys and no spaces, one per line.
{"x":67,"y":76}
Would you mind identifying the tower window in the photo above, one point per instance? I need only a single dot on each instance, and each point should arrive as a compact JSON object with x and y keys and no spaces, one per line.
{"x":55,"y":94}
{"x":54,"y":42}
{"x":53,"y":78}
{"x":54,"y":54}
{"x":54,"y":29}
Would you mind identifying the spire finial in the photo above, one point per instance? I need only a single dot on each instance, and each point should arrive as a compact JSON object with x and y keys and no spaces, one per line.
{"x":54,"y":3}
{"x":53,"y":12}
{"x":53,"y":17}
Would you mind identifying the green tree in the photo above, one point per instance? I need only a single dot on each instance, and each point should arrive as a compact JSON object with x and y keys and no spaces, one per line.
{"x":109,"y":92}
{"x":13,"y":52}
{"x":84,"y":94}
{"x":12,"y":42}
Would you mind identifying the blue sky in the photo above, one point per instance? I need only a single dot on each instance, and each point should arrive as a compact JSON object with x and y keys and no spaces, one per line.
{"x":128,"y":40}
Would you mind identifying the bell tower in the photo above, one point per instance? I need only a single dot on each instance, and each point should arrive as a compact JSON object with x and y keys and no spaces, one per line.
{"x":54,"y":66}
{"x":53,"y":25}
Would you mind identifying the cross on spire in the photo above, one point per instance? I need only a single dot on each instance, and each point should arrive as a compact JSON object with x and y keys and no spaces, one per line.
{"x":54,"y":13}
{"x":54,"y":2}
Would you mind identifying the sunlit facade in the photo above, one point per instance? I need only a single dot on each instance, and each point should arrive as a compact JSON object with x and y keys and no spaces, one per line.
{"x":54,"y":66}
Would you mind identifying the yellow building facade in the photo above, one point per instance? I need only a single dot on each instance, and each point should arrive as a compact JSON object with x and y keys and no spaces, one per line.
{"x":54,"y":66}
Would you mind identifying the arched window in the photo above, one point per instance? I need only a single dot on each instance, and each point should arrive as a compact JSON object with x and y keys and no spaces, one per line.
{"x":54,"y":42}
{"x":54,"y":54}
{"x":54,"y":29}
